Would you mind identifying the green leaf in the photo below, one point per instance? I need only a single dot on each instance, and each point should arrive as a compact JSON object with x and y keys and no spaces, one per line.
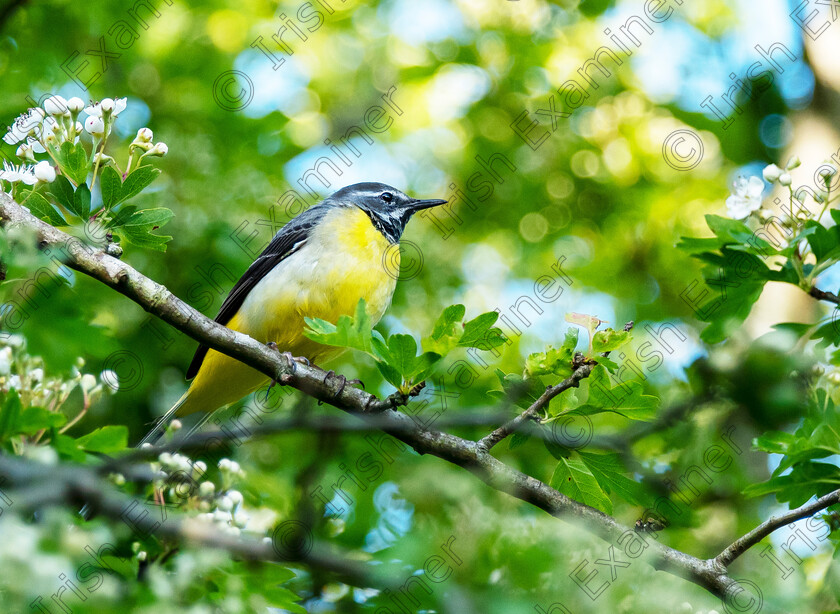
{"x":81,"y":202}
{"x":803,"y":482}
{"x":355,"y":333}
{"x":137,"y":181}
{"x":43,"y":210}
{"x":735,"y":281}
{"x":106,"y":440}
{"x":574,"y":479}
{"x":68,"y":448}
{"x":122,"y":216}
{"x":447,"y":330}
{"x":141,"y":236}
{"x":33,"y":419}
{"x":150,"y":217}
{"x":523,"y":392}
{"x":400,"y":354}
{"x":73,"y":161}
{"x":10,"y":415}
{"x":609,"y":340}
{"x":391,"y":375}
{"x":626,"y":399}
{"x":110,"y":185}
{"x":62,"y":191}
{"x":480,"y":332}
{"x":610,"y":473}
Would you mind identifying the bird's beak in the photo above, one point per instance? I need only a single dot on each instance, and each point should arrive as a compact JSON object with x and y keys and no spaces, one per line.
{"x":419,"y":205}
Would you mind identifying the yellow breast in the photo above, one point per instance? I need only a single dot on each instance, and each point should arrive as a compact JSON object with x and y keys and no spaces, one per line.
{"x":344,"y":260}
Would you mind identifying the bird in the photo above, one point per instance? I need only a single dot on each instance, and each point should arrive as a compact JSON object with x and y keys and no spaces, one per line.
{"x":318,"y":265}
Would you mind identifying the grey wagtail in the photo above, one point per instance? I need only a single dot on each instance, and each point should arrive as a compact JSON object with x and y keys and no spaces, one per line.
{"x":318,"y":265}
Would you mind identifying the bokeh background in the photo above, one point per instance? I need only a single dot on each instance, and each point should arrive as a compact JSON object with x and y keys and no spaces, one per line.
{"x":600,"y":191}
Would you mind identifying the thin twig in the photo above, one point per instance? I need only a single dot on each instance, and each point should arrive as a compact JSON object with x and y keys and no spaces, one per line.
{"x":742,"y":544}
{"x":580,"y":372}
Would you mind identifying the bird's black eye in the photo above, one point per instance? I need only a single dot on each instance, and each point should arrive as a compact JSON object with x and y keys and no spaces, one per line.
{"x":386,"y":197}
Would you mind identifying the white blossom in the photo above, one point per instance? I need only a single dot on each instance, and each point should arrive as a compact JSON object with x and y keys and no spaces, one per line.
{"x":44,"y":171}
{"x":745,"y":197}
{"x":13,"y":174}
{"x":88,"y":382}
{"x":110,"y":379}
{"x":107,"y":106}
{"x":793,"y":163}
{"x":785,"y":179}
{"x":55,"y":105}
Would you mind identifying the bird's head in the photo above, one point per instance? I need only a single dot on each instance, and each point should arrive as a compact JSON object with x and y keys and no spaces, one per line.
{"x":388,"y":208}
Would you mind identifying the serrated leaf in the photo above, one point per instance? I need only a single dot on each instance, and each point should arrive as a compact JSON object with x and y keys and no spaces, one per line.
{"x":106,"y":440}
{"x":67,"y":448}
{"x":610,"y":473}
{"x":10,"y":414}
{"x":574,"y":479}
{"x":81,"y":202}
{"x":73,"y":161}
{"x":121,"y":216}
{"x":609,"y":339}
{"x":626,"y":399}
{"x":62,"y":191}
{"x":33,"y":419}
{"x":137,"y":181}
{"x":150,"y":217}
{"x":447,"y":330}
{"x":110,"y":184}
{"x":554,"y":361}
{"x":41,"y":208}
{"x":523,"y":392}
{"x":355,"y":333}
{"x":143,"y":237}
{"x":480,"y":332}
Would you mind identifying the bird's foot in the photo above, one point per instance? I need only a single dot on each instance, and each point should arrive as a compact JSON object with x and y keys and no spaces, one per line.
{"x":293,"y":363}
{"x":344,"y":381}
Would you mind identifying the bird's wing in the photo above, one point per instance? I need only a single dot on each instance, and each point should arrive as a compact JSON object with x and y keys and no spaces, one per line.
{"x":287,"y":241}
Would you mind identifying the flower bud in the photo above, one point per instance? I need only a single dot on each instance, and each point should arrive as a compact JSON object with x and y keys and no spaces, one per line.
{"x":95,"y":126}
{"x":25,"y":152}
{"x":44,"y":172}
{"x":235,"y":497}
{"x":144,"y":135}
{"x":160,"y":149}
{"x":224,"y":503}
{"x":793,"y":163}
{"x":75,"y":104}
{"x":176,"y":425}
{"x":55,"y":105}
{"x":785,"y":179}
{"x":834,"y":377}
{"x":102,"y":159}
{"x":771,"y":173}
{"x":107,"y":105}
{"x":206,"y":489}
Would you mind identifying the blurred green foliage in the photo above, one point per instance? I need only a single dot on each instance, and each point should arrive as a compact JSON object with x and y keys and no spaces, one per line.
{"x":586,"y":224}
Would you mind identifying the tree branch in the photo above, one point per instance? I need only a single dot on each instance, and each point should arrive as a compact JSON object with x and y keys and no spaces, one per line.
{"x":742,"y":544}
{"x":467,"y":454}
{"x":821,"y":295}
{"x":581,"y":371}
{"x":35,"y":485}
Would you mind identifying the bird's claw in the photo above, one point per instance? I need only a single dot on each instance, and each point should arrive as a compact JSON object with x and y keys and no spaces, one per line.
{"x":344,"y":382}
{"x":292,"y":361}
